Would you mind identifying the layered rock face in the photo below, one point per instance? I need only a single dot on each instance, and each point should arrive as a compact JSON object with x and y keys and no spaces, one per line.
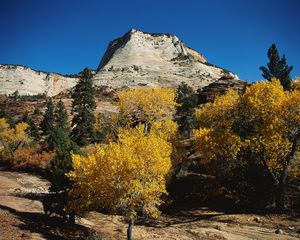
{"x":219,"y":87}
{"x":144,"y":59}
{"x":136,"y":59}
{"x":30,"y":82}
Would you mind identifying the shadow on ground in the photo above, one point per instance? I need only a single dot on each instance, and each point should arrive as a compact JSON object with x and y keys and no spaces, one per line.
{"x":50,"y":227}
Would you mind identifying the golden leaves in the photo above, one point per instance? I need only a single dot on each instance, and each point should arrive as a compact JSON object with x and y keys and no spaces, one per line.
{"x":264,"y":120}
{"x":147,"y":104}
{"x":128,"y":174}
{"x":11,"y":138}
{"x":130,"y":171}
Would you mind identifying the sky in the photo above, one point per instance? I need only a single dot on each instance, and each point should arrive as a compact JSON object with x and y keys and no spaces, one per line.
{"x":66,"y":36}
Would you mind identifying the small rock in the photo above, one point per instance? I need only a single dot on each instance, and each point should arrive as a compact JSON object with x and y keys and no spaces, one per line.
{"x":279,"y":231}
{"x":217,"y":227}
{"x":257,"y":219}
{"x":291,"y":228}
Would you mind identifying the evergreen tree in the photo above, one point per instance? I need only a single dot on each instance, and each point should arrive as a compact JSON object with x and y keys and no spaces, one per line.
{"x":59,"y":141}
{"x":8,"y":117}
{"x":62,"y":163}
{"x":277,"y":68}
{"x":2,"y":113}
{"x":47,"y":124}
{"x":37,"y":111}
{"x":61,"y":116}
{"x":187,"y":100}
{"x":82,"y":108}
{"x":33,"y":130}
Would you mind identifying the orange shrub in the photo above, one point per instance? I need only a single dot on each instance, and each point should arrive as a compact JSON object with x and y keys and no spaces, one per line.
{"x":29,"y":158}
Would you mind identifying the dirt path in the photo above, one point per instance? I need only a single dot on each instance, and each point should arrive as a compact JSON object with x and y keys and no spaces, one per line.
{"x":22,"y":217}
{"x":13,"y":187}
{"x":201,"y":224}
{"x":22,"y":214}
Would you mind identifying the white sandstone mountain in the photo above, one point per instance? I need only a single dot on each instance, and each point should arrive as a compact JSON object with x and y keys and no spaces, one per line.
{"x":146,"y":59}
{"x":31,"y":82}
{"x":136,"y":59}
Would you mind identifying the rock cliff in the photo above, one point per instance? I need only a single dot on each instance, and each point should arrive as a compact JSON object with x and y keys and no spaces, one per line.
{"x":31,"y":82}
{"x":135,"y":59}
{"x":145,"y":59}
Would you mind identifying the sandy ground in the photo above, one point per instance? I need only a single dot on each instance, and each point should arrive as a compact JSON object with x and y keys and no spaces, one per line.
{"x":22,"y":217}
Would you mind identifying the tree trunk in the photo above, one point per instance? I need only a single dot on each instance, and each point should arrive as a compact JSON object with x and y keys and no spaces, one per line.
{"x":129,"y":229}
{"x":189,"y":133}
{"x":147,"y":127}
{"x":279,"y":199}
{"x":280,"y":192}
{"x":71,"y":218}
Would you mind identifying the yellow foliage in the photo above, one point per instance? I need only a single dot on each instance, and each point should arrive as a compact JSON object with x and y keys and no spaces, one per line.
{"x":12,"y":138}
{"x":166,"y":129}
{"x":147,"y":104}
{"x":219,"y":113}
{"x":265,"y":99}
{"x":127,"y":174}
{"x":264,"y":120}
{"x":99,"y":122}
{"x":214,"y":144}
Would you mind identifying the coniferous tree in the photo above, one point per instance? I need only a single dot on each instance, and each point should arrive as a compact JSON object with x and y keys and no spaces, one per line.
{"x":277,"y":68}
{"x":61,"y":116}
{"x":82,"y":108}
{"x":47,"y":124}
{"x":62,"y":163}
{"x":37,"y":111}
{"x":187,"y":100}
{"x":8,"y":117}
{"x":32,"y":130}
{"x":2,"y":113}
{"x":60,"y":127}
{"x":59,"y":141}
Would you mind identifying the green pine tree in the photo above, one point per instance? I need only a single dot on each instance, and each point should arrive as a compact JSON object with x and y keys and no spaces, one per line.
{"x":62,"y":162}
{"x":277,"y":68}
{"x":9,"y":118}
{"x":185,"y":114}
{"x":33,"y":130}
{"x":47,"y":124}
{"x":82,"y":108}
{"x":61,"y":116}
{"x":62,"y":144}
{"x":59,"y":141}
{"x":2,"y":113}
{"x":37,"y":111}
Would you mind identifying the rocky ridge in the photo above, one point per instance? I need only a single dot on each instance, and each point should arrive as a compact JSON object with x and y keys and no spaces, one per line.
{"x":135,"y":59}
{"x":28,"y":81}
{"x":145,"y":59}
{"x":219,"y":87}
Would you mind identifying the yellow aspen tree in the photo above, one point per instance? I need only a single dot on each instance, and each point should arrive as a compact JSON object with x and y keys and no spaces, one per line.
{"x":264,"y":121}
{"x":127,"y":176}
{"x":12,"y":138}
{"x":146,"y":105}
{"x":216,"y":137}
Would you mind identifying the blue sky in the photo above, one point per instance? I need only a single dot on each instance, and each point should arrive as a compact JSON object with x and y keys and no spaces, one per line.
{"x":65,"y":36}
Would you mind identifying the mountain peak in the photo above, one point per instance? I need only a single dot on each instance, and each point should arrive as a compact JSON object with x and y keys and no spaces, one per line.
{"x":141,"y":58}
{"x":135,"y":59}
{"x":149,"y":43}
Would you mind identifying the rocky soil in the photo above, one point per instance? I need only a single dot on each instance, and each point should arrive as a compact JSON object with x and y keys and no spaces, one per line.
{"x":22,"y":217}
